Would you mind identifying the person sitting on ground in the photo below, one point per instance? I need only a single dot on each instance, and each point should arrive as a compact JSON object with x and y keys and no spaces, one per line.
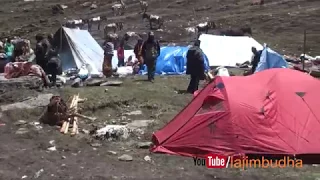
{"x":129,"y":61}
{"x":18,"y":69}
{"x":195,"y":66}
{"x":25,"y":53}
{"x":9,"y":48}
{"x":255,"y":59}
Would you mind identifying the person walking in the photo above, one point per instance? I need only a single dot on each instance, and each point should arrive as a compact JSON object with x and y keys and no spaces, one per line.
{"x":195,"y":66}
{"x":150,"y":52}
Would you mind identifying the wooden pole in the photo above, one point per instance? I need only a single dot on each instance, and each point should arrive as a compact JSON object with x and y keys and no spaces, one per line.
{"x":304,"y":49}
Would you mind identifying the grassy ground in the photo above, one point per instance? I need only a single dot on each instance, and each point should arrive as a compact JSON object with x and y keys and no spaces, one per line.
{"x":76,"y":158}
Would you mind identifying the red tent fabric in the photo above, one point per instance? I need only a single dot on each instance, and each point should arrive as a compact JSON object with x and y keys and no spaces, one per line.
{"x":271,"y":112}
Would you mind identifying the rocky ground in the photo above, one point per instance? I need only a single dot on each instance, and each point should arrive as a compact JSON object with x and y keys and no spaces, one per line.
{"x":30,"y":150}
{"x":280,"y":23}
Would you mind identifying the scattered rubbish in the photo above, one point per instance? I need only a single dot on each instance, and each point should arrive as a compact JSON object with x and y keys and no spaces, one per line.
{"x":53,"y":148}
{"x":38,"y":174}
{"x":21,"y":131}
{"x":112,"y":152}
{"x":125,"y":157}
{"x":20,"y":122}
{"x":52,"y":142}
{"x":93,"y":6}
{"x":85,"y":131}
{"x":23,"y":177}
{"x":147,"y":158}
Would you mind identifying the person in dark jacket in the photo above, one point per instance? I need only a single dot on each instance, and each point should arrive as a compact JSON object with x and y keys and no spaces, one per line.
{"x":150,"y":52}
{"x":42,"y":49}
{"x":53,"y":65}
{"x":256,"y":59}
{"x":195,"y":66}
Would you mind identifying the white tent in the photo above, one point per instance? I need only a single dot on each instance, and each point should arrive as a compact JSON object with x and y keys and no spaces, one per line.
{"x":227,"y":50}
{"x":77,"y":47}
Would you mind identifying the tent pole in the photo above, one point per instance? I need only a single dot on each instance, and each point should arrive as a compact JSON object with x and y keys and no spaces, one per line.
{"x":304,"y":49}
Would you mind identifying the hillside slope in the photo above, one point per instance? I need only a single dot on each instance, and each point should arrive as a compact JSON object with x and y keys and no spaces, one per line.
{"x":280,"y":23}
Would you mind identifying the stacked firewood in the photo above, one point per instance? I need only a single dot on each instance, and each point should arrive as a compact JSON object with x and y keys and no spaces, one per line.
{"x":59,"y":113}
{"x":73,"y":109}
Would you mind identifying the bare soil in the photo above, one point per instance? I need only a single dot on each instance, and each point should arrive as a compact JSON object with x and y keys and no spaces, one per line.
{"x":82,"y":157}
{"x":280,"y":23}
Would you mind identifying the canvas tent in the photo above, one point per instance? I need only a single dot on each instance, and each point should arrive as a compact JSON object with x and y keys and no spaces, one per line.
{"x":256,"y":114}
{"x":227,"y":50}
{"x":77,"y":47}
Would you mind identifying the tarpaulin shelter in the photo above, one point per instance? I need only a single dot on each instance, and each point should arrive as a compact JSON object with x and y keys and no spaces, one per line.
{"x":77,"y":47}
{"x":228,"y":50}
{"x":172,"y":60}
{"x":270,"y":59}
{"x":271,"y":112}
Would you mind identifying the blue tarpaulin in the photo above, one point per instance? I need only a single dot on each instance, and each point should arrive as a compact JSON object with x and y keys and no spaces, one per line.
{"x":172,"y":60}
{"x":270,"y":59}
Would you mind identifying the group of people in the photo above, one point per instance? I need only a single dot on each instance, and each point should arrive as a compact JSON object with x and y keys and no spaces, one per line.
{"x":146,"y":53}
{"x":19,"y":55}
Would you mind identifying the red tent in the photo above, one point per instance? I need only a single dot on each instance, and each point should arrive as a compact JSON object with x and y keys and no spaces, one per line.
{"x":271,"y":112}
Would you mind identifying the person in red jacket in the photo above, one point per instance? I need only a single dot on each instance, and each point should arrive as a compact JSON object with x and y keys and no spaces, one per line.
{"x":120,"y":53}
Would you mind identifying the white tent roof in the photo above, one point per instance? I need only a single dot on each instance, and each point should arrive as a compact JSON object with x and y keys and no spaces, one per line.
{"x":227,"y":50}
{"x":85,"y":49}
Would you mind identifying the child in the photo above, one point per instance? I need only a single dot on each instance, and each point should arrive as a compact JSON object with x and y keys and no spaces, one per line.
{"x":120,"y":53}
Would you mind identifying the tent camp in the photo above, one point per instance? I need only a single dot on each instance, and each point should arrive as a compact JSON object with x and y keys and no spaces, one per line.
{"x":172,"y":60}
{"x":256,"y":114}
{"x":227,"y":50}
{"x":77,"y":47}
